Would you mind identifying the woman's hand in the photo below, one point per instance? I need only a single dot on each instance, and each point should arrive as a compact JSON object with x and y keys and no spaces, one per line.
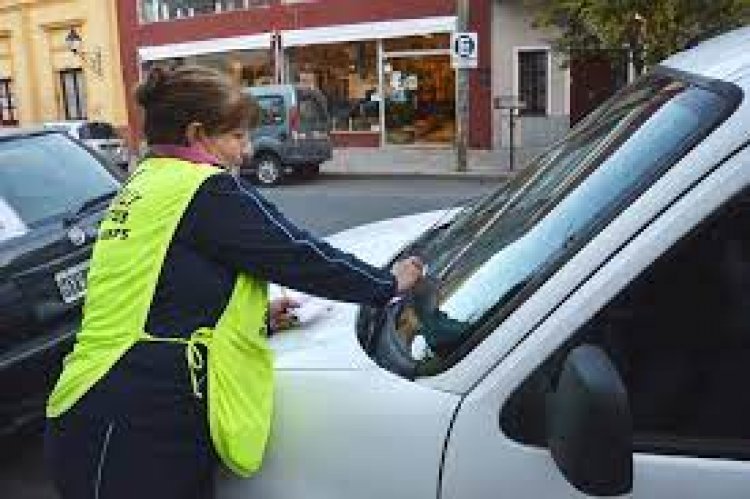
{"x":280,"y":313}
{"x":408,"y":272}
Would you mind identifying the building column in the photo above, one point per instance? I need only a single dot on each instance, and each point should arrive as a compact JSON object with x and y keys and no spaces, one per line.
{"x":480,"y":79}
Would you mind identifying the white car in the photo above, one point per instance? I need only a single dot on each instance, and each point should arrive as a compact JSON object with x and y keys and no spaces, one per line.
{"x":583,"y":331}
{"x":98,"y":135}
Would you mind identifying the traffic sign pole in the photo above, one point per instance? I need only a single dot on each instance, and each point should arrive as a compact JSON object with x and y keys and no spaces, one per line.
{"x":462,"y":94}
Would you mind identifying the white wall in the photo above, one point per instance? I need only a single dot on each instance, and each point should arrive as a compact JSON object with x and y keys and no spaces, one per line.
{"x":512,"y":29}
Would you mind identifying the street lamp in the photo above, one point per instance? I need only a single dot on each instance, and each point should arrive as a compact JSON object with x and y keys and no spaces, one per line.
{"x":92,"y":59}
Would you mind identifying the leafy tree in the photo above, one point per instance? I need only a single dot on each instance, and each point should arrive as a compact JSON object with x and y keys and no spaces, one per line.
{"x":650,"y":30}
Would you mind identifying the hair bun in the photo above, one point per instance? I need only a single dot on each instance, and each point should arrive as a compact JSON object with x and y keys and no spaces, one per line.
{"x":153,"y":85}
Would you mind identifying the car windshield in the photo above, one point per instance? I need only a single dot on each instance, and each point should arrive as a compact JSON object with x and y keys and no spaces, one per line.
{"x":496,"y":253}
{"x":44,"y":177}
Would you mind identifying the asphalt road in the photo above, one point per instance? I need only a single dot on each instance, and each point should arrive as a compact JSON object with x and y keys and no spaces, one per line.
{"x":324,"y":206}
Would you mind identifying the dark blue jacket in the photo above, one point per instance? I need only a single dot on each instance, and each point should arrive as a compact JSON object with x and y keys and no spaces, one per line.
{"x":228,"y":228}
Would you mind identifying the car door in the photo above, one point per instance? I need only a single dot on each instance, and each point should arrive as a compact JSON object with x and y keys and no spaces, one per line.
{"x":669,"y":311}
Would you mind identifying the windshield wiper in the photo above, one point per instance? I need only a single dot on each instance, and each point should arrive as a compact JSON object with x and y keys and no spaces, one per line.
{"x":75,"y":215}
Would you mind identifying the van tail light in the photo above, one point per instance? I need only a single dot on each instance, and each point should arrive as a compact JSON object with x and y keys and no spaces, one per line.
{"x":294,"y":122}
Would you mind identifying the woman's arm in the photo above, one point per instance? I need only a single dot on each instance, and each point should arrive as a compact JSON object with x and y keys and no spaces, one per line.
{"x":231,"y":222}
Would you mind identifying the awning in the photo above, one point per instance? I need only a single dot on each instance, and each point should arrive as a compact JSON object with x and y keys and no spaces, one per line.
{"x":172,"y":50}
{"x":310,"y":36}
{"x":369,"y":31}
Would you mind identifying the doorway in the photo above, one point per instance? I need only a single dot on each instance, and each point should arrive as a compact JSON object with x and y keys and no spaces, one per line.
{"x":419,"y":89}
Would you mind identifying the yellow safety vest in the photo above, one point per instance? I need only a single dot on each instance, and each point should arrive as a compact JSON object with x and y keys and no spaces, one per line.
{"x":125,"y":267}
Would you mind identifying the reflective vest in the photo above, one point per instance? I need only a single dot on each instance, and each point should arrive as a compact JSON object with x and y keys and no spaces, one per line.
{"x":125,"y":266}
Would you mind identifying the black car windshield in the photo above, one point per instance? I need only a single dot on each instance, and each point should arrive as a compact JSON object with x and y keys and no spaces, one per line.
{"x":44,"y":177}
{"x":497,"y":252}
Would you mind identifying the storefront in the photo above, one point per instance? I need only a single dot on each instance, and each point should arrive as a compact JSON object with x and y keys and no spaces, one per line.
{"x":387,"y":83}
{"x":383,"y":65}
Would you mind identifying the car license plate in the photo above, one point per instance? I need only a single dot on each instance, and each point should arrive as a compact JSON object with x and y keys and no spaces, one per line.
{"x":72,"y":282}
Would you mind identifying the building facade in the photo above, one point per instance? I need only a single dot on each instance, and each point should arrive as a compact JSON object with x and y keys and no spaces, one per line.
{"x":42,"y":80}
{"x":383,"y":65}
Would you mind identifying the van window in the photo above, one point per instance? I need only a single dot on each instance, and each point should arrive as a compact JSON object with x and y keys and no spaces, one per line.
{"x":311,"y":113}
{"x":679,"y":337}
{"x":271,"y":110}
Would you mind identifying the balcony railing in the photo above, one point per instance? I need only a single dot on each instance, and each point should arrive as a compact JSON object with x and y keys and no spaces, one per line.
{"x":167,"y":10}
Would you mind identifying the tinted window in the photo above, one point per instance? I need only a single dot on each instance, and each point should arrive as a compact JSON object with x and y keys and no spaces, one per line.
{"x":271,"y":109}
{"x":98,"y":131}
{"x":48,"y":175}
{"x":311,"y":113}
{"x":496,"y":254}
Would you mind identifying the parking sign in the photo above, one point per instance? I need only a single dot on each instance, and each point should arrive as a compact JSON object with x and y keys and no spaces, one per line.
{"x":465,"y":50}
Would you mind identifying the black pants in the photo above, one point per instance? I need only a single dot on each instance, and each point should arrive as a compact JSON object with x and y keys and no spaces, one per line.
{"x":155,"y":457}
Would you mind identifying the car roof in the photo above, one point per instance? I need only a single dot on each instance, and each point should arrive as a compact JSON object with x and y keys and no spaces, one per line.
{"x":725,"y":57}
{"x":13,"y":132}
{"x":68,"y":123}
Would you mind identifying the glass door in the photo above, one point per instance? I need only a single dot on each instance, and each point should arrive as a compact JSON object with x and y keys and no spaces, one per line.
{"x":420,"y":99}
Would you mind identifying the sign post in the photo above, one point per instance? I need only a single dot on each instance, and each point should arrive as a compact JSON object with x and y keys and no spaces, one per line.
{"x":464,"y":56}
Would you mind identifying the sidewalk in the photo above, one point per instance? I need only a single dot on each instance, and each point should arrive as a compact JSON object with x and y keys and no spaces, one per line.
{"x":438,"y":162}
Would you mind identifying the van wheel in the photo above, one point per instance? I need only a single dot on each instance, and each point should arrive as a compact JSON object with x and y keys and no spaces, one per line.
{"x":268,"y":169}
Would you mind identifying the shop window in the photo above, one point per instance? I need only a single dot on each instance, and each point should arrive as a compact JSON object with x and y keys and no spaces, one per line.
{"x":7,"y":103}
{"x":248,"y":67}
{"x":347,"y":75}
{"x":533,"y":81}
{"x":73,"y":93}
{"x":420,"y":94}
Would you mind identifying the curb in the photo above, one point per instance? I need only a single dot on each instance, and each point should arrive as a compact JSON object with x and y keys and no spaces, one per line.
{"x":470,"y":175}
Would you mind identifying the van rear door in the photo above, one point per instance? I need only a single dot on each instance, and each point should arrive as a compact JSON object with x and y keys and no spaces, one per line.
{"x":314,"y":126}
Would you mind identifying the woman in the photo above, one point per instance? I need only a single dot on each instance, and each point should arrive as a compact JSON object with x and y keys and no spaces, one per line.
{"x":170,"y":369}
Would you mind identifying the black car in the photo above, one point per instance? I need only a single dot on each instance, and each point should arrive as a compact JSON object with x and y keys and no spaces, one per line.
{"x":53,"y":194}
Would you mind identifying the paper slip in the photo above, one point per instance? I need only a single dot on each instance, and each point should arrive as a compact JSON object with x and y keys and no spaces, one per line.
{"x":310,"y":310}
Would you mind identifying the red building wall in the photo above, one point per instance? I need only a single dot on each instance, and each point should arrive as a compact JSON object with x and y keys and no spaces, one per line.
{"x":307,"y":15}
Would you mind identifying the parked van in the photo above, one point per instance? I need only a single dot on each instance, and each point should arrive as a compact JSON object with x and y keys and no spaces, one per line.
{"x":293,"y":135}
{"x":583,"y":331}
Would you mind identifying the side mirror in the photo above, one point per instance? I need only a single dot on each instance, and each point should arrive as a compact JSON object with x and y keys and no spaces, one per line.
{"x":589,"y":427}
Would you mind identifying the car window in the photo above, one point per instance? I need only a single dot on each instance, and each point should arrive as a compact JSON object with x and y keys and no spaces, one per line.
{"x":97,"y":130}
{"x":496,"y":254}
{"x":271,"y":109}
{"x":678,"y":337}
{"x":11,"y":224}
{"x":46,"y":176}
{"x":311,"y":112}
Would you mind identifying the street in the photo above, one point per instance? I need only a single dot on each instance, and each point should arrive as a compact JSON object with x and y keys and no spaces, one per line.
{"x":324,"y":206}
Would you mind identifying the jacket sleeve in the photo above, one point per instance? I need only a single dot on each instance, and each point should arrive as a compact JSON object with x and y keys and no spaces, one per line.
{"x":230,"y":222}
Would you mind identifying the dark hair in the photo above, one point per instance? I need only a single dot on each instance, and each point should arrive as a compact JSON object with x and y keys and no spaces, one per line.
{"x":174,"y":98}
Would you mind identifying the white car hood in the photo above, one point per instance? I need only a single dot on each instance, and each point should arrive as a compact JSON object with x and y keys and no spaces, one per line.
{"x":327,"y":339}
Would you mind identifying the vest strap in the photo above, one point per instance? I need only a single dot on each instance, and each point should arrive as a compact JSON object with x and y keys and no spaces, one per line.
{"x":193,"y":354}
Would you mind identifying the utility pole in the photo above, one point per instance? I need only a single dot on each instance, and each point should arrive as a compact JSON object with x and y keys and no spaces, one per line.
{"x":462,"y":94}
